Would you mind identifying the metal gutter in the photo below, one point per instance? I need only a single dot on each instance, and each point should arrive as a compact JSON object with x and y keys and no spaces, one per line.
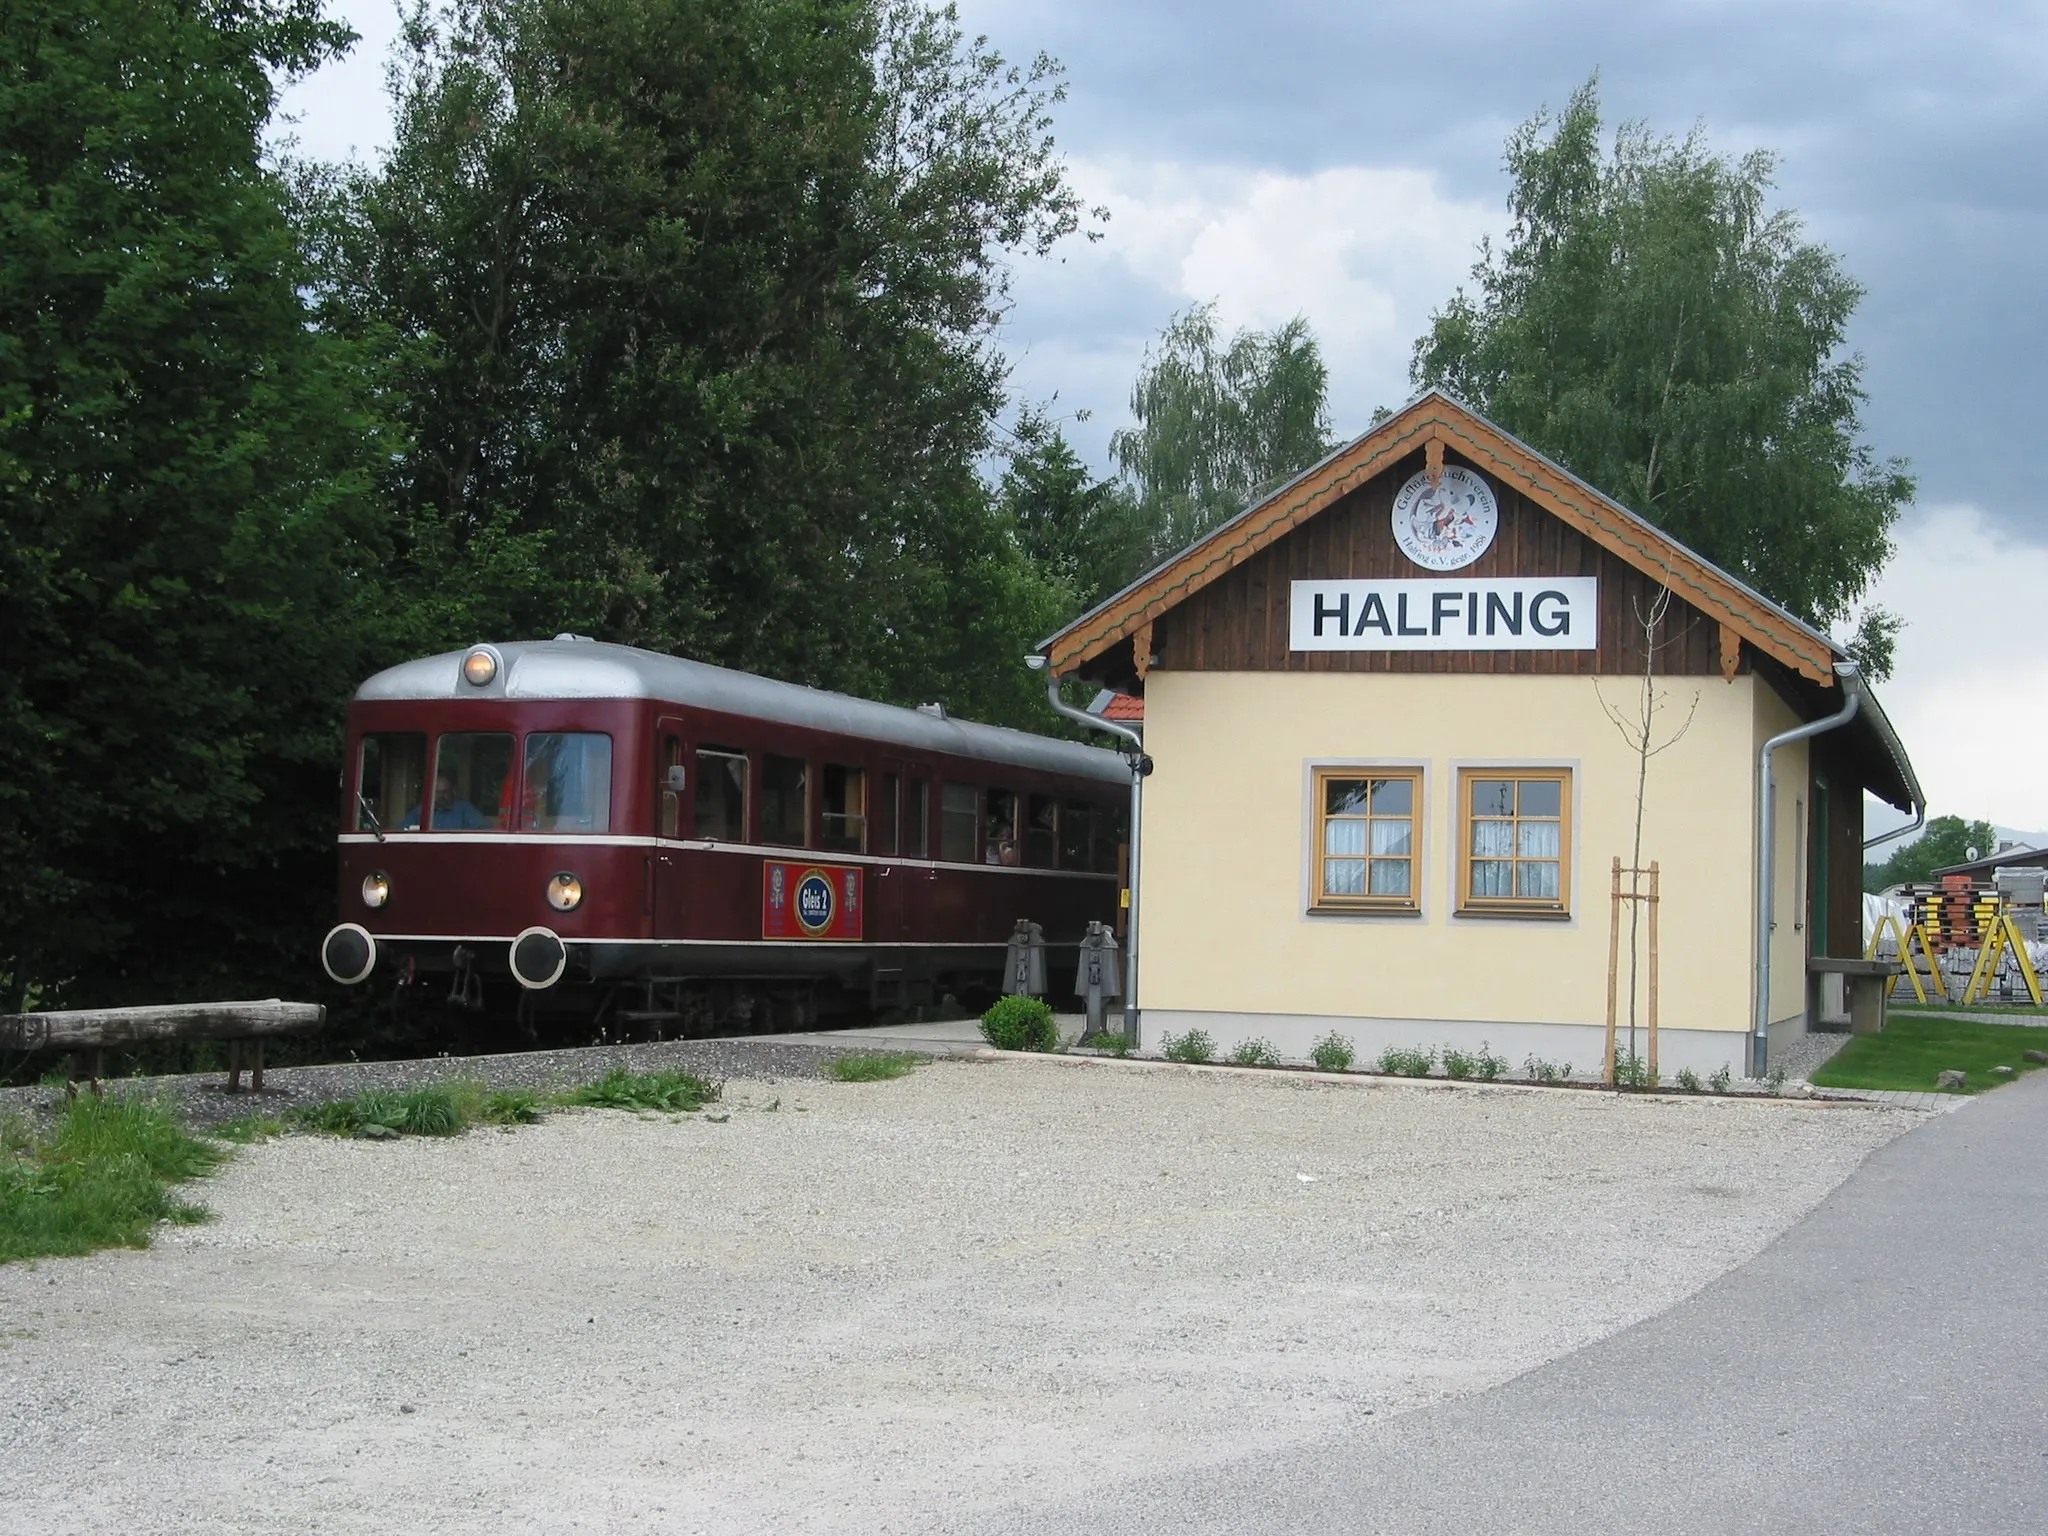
{"x":1140,"y":766}
{"x":1851,"y":678}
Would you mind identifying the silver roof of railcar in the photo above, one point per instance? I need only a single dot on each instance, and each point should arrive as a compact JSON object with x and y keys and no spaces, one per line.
{"x":590,"y":669}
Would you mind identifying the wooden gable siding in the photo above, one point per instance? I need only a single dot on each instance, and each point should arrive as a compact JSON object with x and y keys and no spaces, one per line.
{"x":1239,"y":622}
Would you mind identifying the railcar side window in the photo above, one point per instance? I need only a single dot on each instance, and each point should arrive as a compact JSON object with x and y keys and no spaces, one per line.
{"x":389,"y":773}
{"x":472,"y":783}
{"x":785,"y":806}
{"x":1041,"y":831}
{"x":568,"y":782}
{"x":843,"y":819}
{"x":1077,"y":835}
{"x":722,"y":794}
{"x":1001,"y":847}
{"x":884,"y":814}
{"x":670,"y":757}
{"x":917,"y":821}
{"x":956,"y":823}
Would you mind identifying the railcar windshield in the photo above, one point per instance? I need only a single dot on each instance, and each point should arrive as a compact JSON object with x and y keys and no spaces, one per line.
{"x":568,"y":782}
{"x":472,"y":784}
{"x":390,"y":769}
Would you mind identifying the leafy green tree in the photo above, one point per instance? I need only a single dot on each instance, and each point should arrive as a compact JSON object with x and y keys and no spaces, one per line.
{"x":1945,"y":840}
{"x":1088,"y":537}
{"x":698,"y":295}
{"x":184,"y":509}
{"x":1651,"y":324}
{"x":1219,"y":424}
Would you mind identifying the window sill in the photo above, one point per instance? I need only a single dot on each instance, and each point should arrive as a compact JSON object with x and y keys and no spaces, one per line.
{"x":1364,"y":911}
{"x":1518,"y":914}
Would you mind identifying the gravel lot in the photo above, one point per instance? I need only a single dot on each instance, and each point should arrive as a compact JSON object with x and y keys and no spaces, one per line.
{"x":877,"y":1307}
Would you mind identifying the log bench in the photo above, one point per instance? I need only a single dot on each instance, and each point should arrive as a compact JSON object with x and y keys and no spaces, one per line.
{"x":87,"y":1032}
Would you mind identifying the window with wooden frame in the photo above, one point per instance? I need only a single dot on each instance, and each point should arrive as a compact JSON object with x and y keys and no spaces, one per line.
{"x":1514,"y":840}
{"x":1366,"y":839}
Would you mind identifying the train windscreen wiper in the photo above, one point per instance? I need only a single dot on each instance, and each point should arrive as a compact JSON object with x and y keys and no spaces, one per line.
{"x":375,"y":825}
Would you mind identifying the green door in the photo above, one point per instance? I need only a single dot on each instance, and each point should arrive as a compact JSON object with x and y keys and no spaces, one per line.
{"x":1817,"y":863}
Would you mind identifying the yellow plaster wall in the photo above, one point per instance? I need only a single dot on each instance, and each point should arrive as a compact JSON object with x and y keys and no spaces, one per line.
{"x":1226,"y":847}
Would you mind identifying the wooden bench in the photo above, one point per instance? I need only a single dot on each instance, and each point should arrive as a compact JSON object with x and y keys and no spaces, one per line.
{"x":87,"y":1032}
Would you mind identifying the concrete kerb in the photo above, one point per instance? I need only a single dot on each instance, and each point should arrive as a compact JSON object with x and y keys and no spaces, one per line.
{"x":1831,"y":1099}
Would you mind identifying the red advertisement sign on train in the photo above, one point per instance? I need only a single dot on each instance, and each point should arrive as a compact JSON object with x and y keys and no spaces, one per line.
{"x":811,"y":901}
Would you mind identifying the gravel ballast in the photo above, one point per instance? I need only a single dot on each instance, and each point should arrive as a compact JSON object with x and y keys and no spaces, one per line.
{"x":895,"y":1306}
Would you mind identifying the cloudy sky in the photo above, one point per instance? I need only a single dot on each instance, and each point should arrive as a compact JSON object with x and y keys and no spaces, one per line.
{"x":1340,"y":161}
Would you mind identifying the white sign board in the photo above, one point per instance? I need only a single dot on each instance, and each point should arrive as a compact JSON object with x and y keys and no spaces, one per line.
{"x":1521,"y":613}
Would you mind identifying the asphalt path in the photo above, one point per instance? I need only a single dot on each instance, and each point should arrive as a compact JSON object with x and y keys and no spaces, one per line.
{"x":1882,"y":1367}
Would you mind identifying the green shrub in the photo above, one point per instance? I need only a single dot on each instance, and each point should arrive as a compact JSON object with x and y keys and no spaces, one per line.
{"x":1020,"y":1024}
{"x":1255,"y":1053}
{"x":1721,"y":1079}
{"x":1486,"y":1066}
{"x":875,"y":1067}
{"x":1458,"y":1064}
{"x":1196,"y":1045}
{"x":1115,"y":1045}
{"x":508,"y":1106}
{"x":673,"y":1092}
{"x":1398,"y":1061}
{"x":1333,"y":1053}
{"x":1541,"y":1071}
{"x":100,"y":1179}
{"x":1632,"y":1071}
{"x":1689,"y":1080}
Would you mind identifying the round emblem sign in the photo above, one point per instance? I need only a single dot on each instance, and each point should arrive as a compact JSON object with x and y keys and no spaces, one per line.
{"x":814,"y":902}
{"x":1447,"y":526}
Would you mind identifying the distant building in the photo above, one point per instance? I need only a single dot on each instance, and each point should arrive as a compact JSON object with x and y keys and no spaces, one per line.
{"x":2008,"y":856}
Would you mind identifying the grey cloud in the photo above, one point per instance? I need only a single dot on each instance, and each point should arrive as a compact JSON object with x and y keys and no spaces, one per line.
{"x":1910,"y":136}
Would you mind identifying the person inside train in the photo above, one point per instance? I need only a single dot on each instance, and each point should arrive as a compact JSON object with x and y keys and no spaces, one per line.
{"x":1002,"y":847}
{"x":451,"y":813}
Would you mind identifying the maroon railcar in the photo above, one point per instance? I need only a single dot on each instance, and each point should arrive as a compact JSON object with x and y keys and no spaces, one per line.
{"x":619,"y":831}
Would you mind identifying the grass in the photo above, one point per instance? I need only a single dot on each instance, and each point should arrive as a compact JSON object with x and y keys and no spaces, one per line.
{"x":2023,"y":1010}
{"x":673,"y":1092}
{"x":102,"y":1177}
{"x":875,"y":1066}
{"x":449,"y":1109}
{"x":1913,"y":1049}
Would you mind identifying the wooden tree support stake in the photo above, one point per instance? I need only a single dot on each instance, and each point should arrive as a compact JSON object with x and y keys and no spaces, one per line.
{"x":1642,"y":888}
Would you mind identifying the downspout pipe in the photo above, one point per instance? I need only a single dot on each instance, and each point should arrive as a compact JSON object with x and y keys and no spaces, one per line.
{"x":1897,"y":833}
{"x":1141,"y":765}
{"x":1851,"y":678}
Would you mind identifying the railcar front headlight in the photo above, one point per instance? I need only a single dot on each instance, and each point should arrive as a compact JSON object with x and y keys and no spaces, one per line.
{"x":480,"y":666}
{"x":376,"y":889}
{"x":565,"y":892}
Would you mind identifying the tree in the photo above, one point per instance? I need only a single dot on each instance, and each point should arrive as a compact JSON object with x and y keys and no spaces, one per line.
{"x":1218,"y":426}
{"x":698,"y":294}
{"x":1945,"y":840}
{"x":1087,"y":537}
{"x":1650,"y":324}
{"x":184,"y":508}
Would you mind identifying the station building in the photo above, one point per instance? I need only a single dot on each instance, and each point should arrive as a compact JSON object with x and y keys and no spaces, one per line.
{"x":1393,"y":711}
